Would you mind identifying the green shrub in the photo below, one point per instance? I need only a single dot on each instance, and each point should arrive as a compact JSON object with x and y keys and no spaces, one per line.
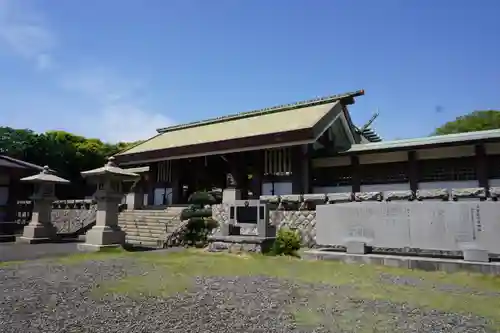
{"x":200,"y":223}
{"x":287,"y":242}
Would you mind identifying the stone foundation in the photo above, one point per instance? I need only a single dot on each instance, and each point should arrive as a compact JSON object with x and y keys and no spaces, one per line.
{"x":239,"y":244}
{"x":302,"y":220}
{"x":421,"y":263}
{"x":299,"y":212}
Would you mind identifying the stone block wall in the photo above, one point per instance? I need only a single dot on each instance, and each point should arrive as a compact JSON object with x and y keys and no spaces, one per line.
{"x":68,"y":216}
{"x":299,"y":211}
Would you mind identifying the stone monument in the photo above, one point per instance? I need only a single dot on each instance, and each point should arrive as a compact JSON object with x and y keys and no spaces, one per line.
{"x":106,"y":233}
{"x":40,"y":229}
{"x":248,"y":228}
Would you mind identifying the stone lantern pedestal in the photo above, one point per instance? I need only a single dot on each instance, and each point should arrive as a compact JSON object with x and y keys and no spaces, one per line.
{"x":40,"y":229}
{"x":109,"y":194}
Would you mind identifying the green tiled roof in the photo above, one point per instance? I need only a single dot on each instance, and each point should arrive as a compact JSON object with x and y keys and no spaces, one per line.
{"x":426,"y":141}
{"x":261,"y":112}
{"x":284,"y":118}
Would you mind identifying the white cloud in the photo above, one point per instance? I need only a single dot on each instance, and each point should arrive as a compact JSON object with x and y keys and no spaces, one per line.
{"x":101,"y":84}
{"x":118,"y":114}
{"x":24,"y":32}
{"x":127,"y":123}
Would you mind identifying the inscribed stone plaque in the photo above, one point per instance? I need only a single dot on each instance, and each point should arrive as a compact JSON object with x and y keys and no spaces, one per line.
{"x":468,"y":217}
{"x":393,"y":225}
{"x":427,"y":225}
{"x":247,"y":214}
{"x":339,"y":223}
{"x":332,"y":224}
{"x":431,"y":225}
{"x":487,"y":227}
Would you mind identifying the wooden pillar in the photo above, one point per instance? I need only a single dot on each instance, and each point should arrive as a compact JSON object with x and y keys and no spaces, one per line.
{"x":356,"y":174}
{"x":151,"y":183}
{"x":242,"y":175}
{"x":175,"y":181}
{"x":258,"y":173}
{"x":482,"y":166}
{"x":413,"y":170}
{"x":297,"y":170}
{"x":307,"y":168}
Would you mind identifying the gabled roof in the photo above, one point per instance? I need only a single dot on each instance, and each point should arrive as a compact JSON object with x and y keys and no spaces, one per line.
{"x":11,"y":162}
{"x":425,"y":142}
{"x":295,"y":123}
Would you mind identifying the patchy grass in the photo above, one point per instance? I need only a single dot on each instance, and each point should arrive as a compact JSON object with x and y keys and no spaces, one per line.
{"x":106,"y":253}
{"x":10,"y":263}
{"x":174,"y":272}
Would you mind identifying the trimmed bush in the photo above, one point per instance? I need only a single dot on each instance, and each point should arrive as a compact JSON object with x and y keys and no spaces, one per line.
{"x":287,"y":242}
{"x":200,"y":223}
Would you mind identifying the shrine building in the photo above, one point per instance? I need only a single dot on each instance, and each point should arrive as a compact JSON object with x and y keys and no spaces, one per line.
{"x":305,"y":147}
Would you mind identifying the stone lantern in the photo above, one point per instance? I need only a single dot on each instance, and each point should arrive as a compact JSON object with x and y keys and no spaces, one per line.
{"x":109,"y":194}
{"x":40,"y":229}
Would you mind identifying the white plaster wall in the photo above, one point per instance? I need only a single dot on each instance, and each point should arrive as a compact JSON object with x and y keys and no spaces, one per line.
{"x":125,"y":200}
{"x":385,"y":187}
{"x":448,"y":185}
{"x":332,"y":189}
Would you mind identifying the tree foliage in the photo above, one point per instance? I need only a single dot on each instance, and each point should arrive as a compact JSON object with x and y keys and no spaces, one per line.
{"x":474,"y":121}
{"x":64,"y":152}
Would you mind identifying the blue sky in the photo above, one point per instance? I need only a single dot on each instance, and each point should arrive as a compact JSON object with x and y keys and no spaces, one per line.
{"x":119,"y":69}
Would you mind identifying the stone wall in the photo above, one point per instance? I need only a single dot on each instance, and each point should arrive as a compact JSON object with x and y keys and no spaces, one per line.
{"x":68,"y":216}
{"x":302,"y":220}
{"x":299,"y":211}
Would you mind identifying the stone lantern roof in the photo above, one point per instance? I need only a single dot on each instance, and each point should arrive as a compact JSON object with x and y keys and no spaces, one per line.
{"x":45,"y":177}
{"x":110,"y":169}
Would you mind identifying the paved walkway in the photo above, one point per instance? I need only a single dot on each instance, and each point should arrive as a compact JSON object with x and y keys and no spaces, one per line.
{"x":15,"y":251}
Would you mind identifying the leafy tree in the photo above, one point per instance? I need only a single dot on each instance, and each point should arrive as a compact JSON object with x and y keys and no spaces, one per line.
{"x":474,"y":121}
{"x":67,"y":153}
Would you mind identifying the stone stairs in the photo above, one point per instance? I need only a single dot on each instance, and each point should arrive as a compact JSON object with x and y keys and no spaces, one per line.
{"x":149,"y":227}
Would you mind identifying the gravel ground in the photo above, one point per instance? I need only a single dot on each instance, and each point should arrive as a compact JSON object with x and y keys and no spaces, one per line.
{"x":18,"y":251}
{"x":40,"y":297}
{"x":415,"y":282}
